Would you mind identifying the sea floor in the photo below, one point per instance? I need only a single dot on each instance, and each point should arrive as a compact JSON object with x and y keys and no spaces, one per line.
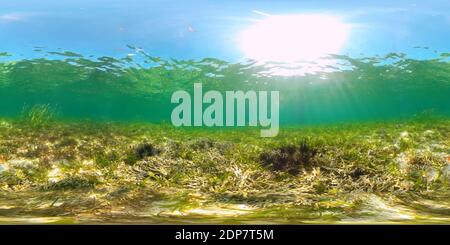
{"x":84,"y":172}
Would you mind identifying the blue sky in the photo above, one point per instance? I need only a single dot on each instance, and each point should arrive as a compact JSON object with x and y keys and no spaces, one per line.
{"x":198,"y":29}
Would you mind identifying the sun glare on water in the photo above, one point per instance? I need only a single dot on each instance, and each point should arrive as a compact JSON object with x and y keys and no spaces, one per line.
{"x":292,"y":38}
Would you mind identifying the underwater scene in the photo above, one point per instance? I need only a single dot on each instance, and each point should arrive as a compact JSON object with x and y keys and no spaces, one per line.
{"x":91,"y":130}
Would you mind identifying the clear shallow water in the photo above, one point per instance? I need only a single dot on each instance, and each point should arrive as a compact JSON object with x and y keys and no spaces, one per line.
{"x":64,"y":160}
{"x":138,"y":88}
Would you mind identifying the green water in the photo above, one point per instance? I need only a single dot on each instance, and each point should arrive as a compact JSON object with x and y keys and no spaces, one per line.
{"x":365,"y":140}
{"x":138,"y":88}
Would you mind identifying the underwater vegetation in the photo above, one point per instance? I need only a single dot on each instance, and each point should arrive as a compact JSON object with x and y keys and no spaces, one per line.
{"x":80,"y":172}
{"x":37,"y":115}
{"x":86,"y":140}
{"x":139,"y":152}
{"x":289,"y":158}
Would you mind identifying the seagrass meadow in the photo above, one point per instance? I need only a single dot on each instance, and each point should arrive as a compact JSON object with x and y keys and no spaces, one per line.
{"x":359,"y":95}
{"x":85,"y":172}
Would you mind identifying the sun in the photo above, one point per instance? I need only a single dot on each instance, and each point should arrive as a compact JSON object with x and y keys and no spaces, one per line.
{"x":290,"y":38}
